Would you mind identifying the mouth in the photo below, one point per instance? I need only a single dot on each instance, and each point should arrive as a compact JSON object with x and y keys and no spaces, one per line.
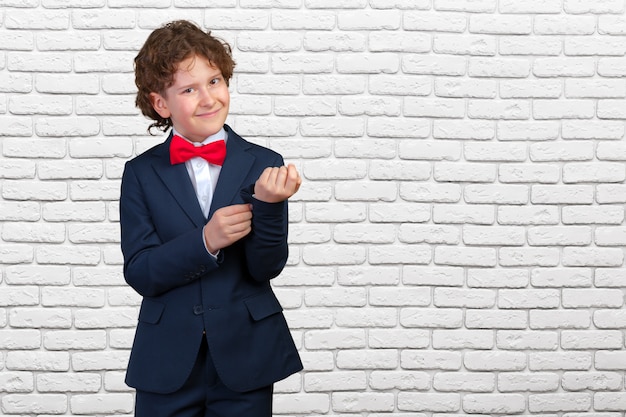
{"x":209,"y":114}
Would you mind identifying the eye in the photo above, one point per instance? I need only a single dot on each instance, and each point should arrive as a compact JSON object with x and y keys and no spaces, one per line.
{"x":188,"y":90}
{"x":215,"y":81}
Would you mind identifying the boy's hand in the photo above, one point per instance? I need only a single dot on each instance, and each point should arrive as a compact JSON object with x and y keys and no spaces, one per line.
{"x":277,"y":184}
{"x":227,"y":225}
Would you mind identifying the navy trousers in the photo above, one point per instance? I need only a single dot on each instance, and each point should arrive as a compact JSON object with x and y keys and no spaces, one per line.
{"x":204,"y":395}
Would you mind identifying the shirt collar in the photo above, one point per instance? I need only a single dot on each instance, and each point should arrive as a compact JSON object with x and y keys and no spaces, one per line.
{"x":221,"y":135}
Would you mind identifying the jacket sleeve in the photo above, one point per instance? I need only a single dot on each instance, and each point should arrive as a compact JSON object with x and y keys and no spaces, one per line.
{"x":151,"y":266}
{"x":266,"y":246}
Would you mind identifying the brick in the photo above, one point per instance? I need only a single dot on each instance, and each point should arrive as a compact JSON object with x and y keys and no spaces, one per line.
{"x":448,"y":318}
{"x":454,"y":44}
{"x":334,"y":41}
{"x":367,"y":359}
{"x":559,"y":236}
{"x":52,"y":318}
{"x":74,"y":382}
{"x":465,"y":130}
{"x":499,"y":68}
{"x":565,"y":25}
{"x":522,"y":299}
{"x":496,"y":194}
{"x":534,"y":382}
{"x":490,"y":236}
{"x":101,"y":403}
{"x":461,"y":214}
{"x":495,"y":361}
{"x":350,"y":233}
{"x":561,"y":194}
{"x":20,"y":339}
{"x":18,"y":41}
{"x":17,"y":169}
{"x":497,"y":278}
{"x":402,"y":338}
{"x":336,"y":298}
{"x":559,"y":402}
{"x":410,"y":233}
{"x":429,"y":65}
{"x":607,"y":257}
{"x":610,"y":236}
{"x":375,"y":275}
{"x":38,"y":361}
{"x":609,"y":401}
{"x":335,"y":213}
{"x":33,"y":232}
{"x":563,"y":67}
{"x":386,"y":127}
{"x":442,"y":193}
{"x":611,"y":25}
{"x":531,"y":131}
{"x":15,"y":82}
{"x":554,"y":361}
{"x":462,"y":339}
{"x":434,"y":21}
{"x":335,"y":381}
{"x":302,"y":403}
{"x":500,"y":24}
{"x":563,"y":319}
{"x":296,"y":20}
{"x":75,"y":340}
{"x":338,"y":255}
{"x":376,"y":106}
{"x":435,"y":402}
{"x":529,"y":173}
{"x":34,"y":403}
{"x":61,"y":4}
{"x":539,"y":45}
{"x":360,"y":402}
{"x":37,"y":19}
{"x":561,"y":277}
{"x":494,"y":403}
{"x":463,"y":381}
{"x":582,"y":7}
{"x":420,"y":359}
{"x":525,"y":340}
{"x":461,"y":87}
{"x":530,"y":6}
{"x":13,"y":382}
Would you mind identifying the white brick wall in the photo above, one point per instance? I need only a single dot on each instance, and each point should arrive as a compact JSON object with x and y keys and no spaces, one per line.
{"x":457,"y":245}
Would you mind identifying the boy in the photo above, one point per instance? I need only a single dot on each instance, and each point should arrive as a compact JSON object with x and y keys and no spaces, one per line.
{"x":211,"y":338}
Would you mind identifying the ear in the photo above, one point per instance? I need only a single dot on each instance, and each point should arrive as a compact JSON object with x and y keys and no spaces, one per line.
{"x":159,"y":104}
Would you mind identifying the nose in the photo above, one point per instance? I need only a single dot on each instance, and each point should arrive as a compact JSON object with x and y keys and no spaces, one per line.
{"x":206,"y":97}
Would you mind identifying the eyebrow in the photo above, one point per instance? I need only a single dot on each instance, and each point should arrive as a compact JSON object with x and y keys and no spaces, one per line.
{"x":216,"y":74}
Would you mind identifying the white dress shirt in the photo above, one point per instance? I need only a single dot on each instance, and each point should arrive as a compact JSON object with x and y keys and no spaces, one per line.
{"x":203,"y":174}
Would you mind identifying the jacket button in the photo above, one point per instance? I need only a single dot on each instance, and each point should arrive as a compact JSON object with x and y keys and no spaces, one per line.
{"x":197,"y":310}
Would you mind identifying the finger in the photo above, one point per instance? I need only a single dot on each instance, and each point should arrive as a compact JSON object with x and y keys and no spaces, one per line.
{"x":271,"y":180}
{"x":293,"y":179}
{"x":234,"y":209}
{"x":265,"y":175}
{"x":281,"y":176}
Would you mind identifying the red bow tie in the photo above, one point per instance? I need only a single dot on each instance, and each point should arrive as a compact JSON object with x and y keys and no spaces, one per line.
{"x":181,"y":151}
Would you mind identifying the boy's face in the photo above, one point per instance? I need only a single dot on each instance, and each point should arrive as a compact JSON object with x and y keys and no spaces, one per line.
{"x":198,"y":100}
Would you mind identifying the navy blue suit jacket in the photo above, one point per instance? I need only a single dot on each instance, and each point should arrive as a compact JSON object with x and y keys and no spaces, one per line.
{"x":186,"y":291}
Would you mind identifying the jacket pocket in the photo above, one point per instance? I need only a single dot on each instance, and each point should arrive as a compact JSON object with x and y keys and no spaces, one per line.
{"x":263,"y":305}
{"x":151,"y":311}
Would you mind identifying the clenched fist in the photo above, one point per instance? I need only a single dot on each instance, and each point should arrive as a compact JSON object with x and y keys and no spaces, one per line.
{"x":277,"y":184}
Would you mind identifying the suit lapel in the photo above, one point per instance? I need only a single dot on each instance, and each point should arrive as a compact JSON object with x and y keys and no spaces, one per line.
{"x":177,"y":181}
{"x":234,"y":171}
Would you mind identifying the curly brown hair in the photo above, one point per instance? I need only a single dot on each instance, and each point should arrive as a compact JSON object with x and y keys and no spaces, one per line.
{"x":158,"y":60}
